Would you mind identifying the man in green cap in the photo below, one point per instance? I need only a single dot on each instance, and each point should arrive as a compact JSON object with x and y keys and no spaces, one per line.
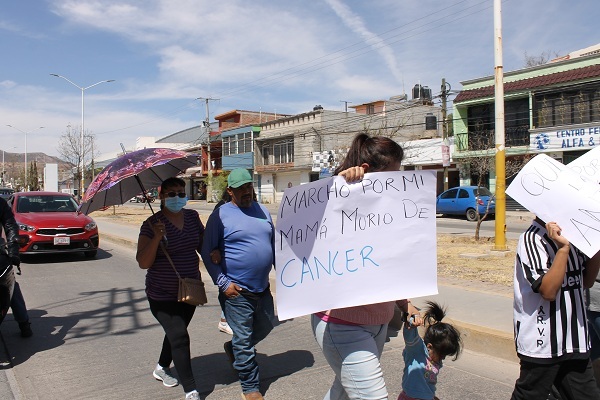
{"x":243,"y":231}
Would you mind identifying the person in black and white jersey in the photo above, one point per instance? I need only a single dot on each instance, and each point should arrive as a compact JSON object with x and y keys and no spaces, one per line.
{"x":551,"y":333}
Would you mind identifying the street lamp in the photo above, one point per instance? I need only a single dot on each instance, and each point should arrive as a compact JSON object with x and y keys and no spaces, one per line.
{"x":83,"y":89}
{"x":33,"y":130}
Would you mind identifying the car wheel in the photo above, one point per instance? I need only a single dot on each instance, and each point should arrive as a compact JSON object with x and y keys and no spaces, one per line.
{"x":471,"y":215}
{"x":90,"y":254}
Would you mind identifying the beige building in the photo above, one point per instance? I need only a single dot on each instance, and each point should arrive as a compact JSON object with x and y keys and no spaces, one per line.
{"x":298,"y":149}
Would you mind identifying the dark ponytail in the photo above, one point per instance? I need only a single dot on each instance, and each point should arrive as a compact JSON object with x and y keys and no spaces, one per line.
{"x":444,"y":338}
{"x":377,"y":151}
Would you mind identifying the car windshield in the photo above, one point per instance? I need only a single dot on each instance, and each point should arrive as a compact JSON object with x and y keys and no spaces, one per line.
{"x":481,"y":191}
{"x":46,"y":203}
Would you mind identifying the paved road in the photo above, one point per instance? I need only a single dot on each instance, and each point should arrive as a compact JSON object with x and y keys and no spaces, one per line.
{"x":95,"y":338}
{"x":516,"y":221}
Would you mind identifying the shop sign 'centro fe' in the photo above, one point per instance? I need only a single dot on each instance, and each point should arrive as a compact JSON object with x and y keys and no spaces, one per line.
{"x":565,"y":139}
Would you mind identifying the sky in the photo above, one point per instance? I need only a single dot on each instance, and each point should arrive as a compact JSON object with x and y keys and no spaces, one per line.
{"x":278,"y":56}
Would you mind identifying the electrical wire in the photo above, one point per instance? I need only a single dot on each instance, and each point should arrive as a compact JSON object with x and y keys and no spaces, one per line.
{"x":318,"y":63}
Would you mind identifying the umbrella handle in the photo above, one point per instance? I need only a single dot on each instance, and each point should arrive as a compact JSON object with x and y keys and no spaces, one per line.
{"x":137,"y":178}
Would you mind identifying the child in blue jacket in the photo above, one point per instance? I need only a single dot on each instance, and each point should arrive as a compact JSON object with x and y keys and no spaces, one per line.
{"x":423,"y":356}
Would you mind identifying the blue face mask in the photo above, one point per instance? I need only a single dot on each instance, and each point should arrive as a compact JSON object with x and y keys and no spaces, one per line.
{"x":175,"y":204}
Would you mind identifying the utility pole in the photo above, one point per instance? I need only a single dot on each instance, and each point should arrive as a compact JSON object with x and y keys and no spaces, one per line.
{"x":345,"y":104}
{"x":500,"y":220}
{"x":445,"y":145}
{"x":206,"y":124}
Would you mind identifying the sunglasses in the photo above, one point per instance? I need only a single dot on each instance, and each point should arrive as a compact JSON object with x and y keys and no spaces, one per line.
{"x":173,"y":194}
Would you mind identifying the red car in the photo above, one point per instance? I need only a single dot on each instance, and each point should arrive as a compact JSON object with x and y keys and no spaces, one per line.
{"x":49,"y":223}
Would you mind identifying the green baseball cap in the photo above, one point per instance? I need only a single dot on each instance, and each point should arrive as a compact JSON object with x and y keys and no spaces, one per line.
{"x":238,"y":177}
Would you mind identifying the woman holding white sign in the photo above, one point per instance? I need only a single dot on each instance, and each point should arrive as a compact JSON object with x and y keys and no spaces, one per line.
{"x":352,"y":338}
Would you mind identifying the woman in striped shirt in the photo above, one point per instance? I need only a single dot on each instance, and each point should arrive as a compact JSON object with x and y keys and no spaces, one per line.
{"x":179,"y":231}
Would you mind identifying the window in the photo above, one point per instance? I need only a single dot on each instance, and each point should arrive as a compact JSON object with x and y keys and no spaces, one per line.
{"x":226,"y":146}
{"x":370,"y":108}
{"x":463,"y":194}
{"x":244,"y":141}
{"x":266,"y":151}
{"x":233,"y":144}
{"x":450,"y":194}
{"x":574,"y":106}
{"x":482,"y":191}
{"x":237,"y":144}
{"x":283,"y":152}
{"x":481,"y":124}
{"x":278,"y":153}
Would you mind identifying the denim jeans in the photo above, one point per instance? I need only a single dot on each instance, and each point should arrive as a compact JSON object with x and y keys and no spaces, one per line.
{"x":251,"y":320}
{"x":17,"y":305}
{"x":353,"y":352}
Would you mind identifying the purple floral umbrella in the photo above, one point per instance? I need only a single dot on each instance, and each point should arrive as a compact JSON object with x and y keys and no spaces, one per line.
{"x":131,"y":173}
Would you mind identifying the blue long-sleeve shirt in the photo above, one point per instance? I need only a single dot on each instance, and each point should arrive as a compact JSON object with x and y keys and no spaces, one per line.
{"x":420,"y":372}
{"x":245,"y":238}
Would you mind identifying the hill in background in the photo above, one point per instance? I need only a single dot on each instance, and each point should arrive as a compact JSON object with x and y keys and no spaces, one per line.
{"x":13,"y":165}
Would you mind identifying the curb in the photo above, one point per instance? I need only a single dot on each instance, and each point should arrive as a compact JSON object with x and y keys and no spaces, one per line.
{"x":488,"y":341}
{"x":119,"y":240}
{"x":476,"y":338}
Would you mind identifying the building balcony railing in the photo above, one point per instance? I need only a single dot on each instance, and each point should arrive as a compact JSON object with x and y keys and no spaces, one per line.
{"x":274,"y":167}
{"x":486,"y":139}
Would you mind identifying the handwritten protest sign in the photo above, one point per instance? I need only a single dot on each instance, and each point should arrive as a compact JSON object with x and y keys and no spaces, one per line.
{"x":588,"y":165}
{"x":340,"y":245}
{"x":555,"y":192}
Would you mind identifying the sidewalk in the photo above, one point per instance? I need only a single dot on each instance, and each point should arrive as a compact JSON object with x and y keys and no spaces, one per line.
{"x":483,"y":312}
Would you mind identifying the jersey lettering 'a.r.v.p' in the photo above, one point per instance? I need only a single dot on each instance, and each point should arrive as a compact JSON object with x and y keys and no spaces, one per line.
{"x":548,"y":329}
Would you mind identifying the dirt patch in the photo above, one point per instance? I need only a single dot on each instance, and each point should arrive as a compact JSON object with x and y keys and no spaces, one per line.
{"x":486,"y":268}
{"x":494,"y":267}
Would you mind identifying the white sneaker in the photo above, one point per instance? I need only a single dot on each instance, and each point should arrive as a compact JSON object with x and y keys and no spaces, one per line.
{"x":224,"y":327}
{"x":165,"y":376}
{"x":193,"y":396}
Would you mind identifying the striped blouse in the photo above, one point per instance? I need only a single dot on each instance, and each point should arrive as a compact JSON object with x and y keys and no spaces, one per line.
{"x":183,"y":246}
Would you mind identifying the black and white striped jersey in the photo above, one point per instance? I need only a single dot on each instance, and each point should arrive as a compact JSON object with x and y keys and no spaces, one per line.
{"x":548,"y":329}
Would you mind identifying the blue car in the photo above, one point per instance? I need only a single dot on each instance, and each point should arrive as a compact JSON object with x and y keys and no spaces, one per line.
{"x":462,"y":200}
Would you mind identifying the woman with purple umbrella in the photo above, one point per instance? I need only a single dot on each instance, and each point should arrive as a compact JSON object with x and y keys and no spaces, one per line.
{"x":175,"y":232}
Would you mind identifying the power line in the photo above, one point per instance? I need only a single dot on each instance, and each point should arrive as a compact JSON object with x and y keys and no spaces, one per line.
{"x":318,"y":63}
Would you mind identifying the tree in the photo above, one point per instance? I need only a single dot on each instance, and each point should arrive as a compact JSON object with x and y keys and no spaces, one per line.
{"x":33,"y":177}
{"x":218,"y":184}
{"x":543,"y":58}
{"x":481,"y":165}
{"x":91,"y":155}
{"x":69,"y":147}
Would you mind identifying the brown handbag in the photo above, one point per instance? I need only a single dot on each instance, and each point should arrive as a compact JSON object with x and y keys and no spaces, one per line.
{"x":191,"y":291}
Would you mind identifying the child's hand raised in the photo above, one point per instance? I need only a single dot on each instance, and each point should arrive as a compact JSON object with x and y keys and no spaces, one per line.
{"x":415,"y":320}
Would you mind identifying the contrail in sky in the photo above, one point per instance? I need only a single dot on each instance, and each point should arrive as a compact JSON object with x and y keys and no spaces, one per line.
{"x":357,"y":25}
